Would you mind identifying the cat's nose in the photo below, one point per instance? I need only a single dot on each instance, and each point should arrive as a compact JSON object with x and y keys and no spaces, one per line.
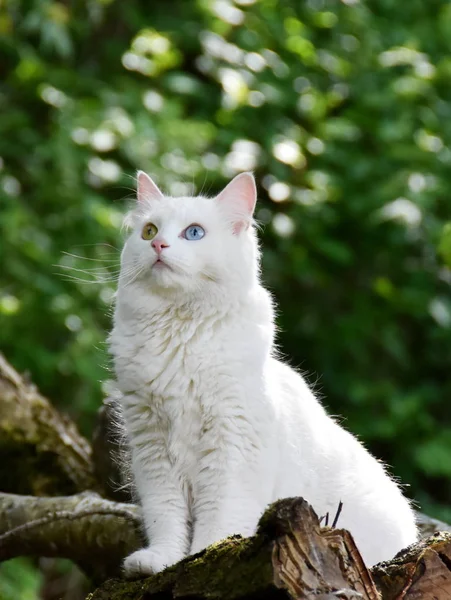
{"x":158,"y":245}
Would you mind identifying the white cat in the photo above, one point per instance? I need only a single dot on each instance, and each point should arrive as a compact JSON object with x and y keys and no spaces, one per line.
{"x":218,"y":426}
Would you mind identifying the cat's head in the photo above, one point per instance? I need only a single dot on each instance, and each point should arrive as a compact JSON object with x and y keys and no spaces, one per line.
{"x":190,"y":244}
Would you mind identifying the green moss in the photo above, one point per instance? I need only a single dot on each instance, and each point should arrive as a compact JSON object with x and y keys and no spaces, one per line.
{"x":117,"y":589}
{"x":233,"y":568}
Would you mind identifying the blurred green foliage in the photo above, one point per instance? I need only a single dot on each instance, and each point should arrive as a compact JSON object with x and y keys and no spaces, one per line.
{"x":343,"y":110}
{"x":19,"y":580}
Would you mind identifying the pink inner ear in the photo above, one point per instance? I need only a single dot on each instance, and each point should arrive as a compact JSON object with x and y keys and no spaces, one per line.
{"x":147,"y":189}
{"x":239,"y":198}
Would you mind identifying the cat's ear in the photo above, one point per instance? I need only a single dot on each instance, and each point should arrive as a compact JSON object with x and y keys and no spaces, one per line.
{"x":147,"y":189}
{"x":238,"y":199}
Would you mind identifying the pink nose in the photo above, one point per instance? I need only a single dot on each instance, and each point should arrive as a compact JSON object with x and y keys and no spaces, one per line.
{"x":158,"y":245}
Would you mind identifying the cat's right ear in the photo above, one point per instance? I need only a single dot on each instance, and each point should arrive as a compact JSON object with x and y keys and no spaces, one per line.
{"x":239,"y":198}
{"x":147,"y":189}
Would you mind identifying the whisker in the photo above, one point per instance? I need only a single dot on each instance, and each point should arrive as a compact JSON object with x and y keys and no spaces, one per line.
{"x":134,"y":277}
{"x":77,"y":256}
{"x":99,"y":244}
{"x":85,"y":281}
{"x":106,"y":269}
{"x":95,"y":276}
{"x":201,"y":193}
{"x":93,"y":271}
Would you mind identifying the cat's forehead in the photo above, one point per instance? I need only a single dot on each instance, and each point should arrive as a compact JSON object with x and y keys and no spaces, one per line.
{"x":182,"y":209}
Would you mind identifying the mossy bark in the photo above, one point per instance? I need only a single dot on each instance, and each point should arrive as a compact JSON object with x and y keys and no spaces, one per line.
{"x":41,"y":453}
{"x":421,"y":572}
{"x":295,"y":559}
{"x":291,"y":556}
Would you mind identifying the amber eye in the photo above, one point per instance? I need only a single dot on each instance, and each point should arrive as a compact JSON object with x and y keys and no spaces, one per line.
{"x":149,"y":231}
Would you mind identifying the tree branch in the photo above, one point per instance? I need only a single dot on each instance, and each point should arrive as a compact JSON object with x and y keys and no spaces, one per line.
{"x":78,"y":527}
{"x":41,"y":452}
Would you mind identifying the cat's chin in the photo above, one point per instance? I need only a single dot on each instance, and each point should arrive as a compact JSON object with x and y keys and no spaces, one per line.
{"x":164,"y":276}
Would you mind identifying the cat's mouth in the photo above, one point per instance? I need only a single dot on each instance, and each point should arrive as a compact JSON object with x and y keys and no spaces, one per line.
{"x":160,"y":264}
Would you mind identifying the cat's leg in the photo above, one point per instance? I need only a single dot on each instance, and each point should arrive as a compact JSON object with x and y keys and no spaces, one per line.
{"x":235,"y":482}
{"x":164,"y":505}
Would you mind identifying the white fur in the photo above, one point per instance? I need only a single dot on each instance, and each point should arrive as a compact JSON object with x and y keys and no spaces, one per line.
{"x":218,"y":426}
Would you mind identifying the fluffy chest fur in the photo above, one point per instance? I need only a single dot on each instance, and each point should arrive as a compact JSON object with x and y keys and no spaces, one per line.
{"x":185,"y":372}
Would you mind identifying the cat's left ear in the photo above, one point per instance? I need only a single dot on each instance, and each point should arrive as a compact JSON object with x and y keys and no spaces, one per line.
{"x":147,"y":189}
{"x":238,"y":199}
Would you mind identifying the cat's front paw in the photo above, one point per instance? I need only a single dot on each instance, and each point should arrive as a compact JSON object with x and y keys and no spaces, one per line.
{"x":148,"y":561}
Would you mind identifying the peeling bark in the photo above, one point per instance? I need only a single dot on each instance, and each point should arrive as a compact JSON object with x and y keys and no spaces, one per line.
{"x":292,"y":557}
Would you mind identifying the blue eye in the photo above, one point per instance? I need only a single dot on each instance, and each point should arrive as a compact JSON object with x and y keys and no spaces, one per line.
{"x":194,"y":232}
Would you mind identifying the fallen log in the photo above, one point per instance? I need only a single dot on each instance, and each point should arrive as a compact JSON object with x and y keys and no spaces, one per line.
{"x":293,"y":557}
{"x":95,"y":533}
